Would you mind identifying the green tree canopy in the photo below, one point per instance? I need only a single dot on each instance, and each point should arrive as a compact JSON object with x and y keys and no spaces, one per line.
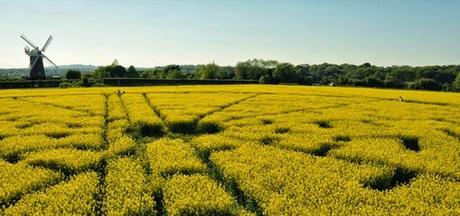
{"x":254,"y":68}
{"x":208,"y":71}
{"x":132,"y":72}
{"x":172,"y":67}
{"x":428,"y":84}
{"x":73,"y":74}
{"x":284,"y":73}
{"x":118,"y":71}
{"x":456,"y":83}
{"x":437,"y":77}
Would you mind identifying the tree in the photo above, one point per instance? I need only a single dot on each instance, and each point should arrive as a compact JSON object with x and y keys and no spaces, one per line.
{"x":367,"y":64}
{"x":260,"y":67}
{"x":402,"y":73}
{"x":102,"y":72}
{"x":132,"y":72}
{"x":393,"y":83}
{"x":118,"y":71}
{"x":175,"y":74}
{"x":429,"y":72}
{"x":444,"y":77}
{"x":303,"y":74}
{"x":113,"y":70}
{"x":152,"y":73}
{"x":226,"y":72}
{"x":270,"y":71}
{"x":428,"y":84}
{"x":284,"y":73}
{"x":456,"y":83}
{"x":208,"y":71}
{"x":73,"y":74}
{"x":360,"y":73}
{"x":172,"y":67}
{"x":86,"y":81}
{"x":241,"y":70}
{"x":374,"y":81}
{"x":254,"y":68}
{"x":263,"y":80}
{"x":172,"y":72}
{"x":331,"y":74}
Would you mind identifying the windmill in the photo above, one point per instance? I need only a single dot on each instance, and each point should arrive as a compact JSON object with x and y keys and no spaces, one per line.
{"x":37,"y":71}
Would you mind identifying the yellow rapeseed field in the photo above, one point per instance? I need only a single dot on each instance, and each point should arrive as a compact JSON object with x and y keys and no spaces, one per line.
{"x":229,"y":150}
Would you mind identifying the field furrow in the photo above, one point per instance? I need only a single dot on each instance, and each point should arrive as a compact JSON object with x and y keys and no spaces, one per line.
{"x":229,"y":150}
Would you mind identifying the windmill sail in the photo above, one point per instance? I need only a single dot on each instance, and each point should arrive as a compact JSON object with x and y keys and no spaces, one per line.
{"x":29,"y":42}
{"x":47,"y":43}
{"x":36,"y":56}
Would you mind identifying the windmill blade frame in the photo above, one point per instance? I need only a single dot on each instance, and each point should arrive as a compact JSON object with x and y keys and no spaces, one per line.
{"x":50,"y":38}
{"x":49,"y":60}
{"x":29,"y":42}
{"x":37,"y":69}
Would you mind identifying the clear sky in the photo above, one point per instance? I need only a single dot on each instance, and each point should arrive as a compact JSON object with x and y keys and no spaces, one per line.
{"x":150,"y":33}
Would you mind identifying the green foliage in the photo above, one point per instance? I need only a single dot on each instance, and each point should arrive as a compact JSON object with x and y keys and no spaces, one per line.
{"x":208,"y":71}
{"x":113,"y":70}
{"x":132,"y":72}
{"x":428,"y":84}
{"x":152,"y":73}
{"x":284,"y":73}
{"x":270,"y":71}
{"x":170,"y":68}
{"x":88,"y":81}
{"x":226,"y":72}
{"x":168,"y":72}
{"x":263,"y":80}
{"x":456,"y":83}
{"x":73,"y":74}
{"x":174,"y":75}
{"x":102,"y":72}
{"x":374,"y":81}
{"x":66,"y":85}
{"x":118,"y":71}
{"x":254,"y":68}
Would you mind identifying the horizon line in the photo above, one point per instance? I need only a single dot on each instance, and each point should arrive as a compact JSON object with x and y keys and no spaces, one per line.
{"x":196,"y":64}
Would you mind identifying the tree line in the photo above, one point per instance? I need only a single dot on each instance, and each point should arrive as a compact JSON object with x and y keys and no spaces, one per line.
{"x":446,"y":78}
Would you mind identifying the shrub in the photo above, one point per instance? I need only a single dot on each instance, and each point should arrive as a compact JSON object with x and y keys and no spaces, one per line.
{"x":428,"y":84}
{"x":73,"y":74}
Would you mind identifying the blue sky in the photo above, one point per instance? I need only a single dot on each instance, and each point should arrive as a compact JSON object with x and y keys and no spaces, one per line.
{"x":150,"y":33}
